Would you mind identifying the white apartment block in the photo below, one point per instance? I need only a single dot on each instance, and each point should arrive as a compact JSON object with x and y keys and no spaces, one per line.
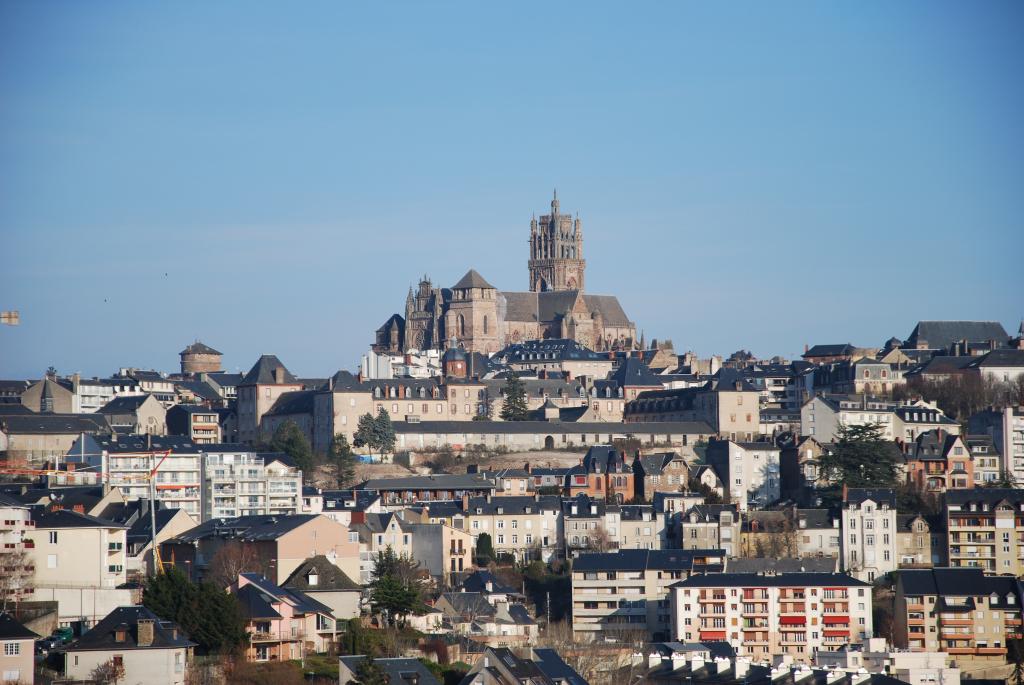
{"x":868,"y":535}
{"x":749,"y":471}
{"x":773,"y":615}
{"x":245,"y":483}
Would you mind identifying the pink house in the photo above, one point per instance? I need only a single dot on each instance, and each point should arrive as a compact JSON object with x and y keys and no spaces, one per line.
{"x":282,"y":624}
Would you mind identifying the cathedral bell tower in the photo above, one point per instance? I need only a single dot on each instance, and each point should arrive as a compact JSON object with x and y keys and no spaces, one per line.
{"x":556,"y":251}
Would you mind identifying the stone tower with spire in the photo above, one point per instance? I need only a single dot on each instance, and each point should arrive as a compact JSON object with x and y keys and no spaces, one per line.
{"x":556,"y":251}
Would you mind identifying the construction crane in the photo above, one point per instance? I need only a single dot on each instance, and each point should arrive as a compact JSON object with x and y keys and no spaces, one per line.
{"x":149,"y":476}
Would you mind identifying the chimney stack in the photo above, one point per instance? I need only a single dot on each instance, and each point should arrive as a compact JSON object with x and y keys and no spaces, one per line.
{"x":279,"y":376}
{"x":145,"y":632}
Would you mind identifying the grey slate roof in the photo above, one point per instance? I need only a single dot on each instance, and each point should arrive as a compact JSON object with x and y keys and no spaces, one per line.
{"x":999,"y":359}
{"x":128,"y":404}
{"x":294,"y":402}
{"x":102,"y":636}
{"x":66,"y":518}
{"x":262,"y":372}
{"x":876,"y":495}
{"x":398,"y":671}
{"x":832,"y":350}
{"x":768,"y":580}
{"x":438,"y":481}
{"x":942,"y":334}
{"x":52,"y":424}
{"x":256,"y":528}
{"x":640,"y":559}
{"x":472,"y":279}
{"x":633,"y":372}
{"x":541,"y":427}
{"x":804,"y":565}
{"x":11,"y":629}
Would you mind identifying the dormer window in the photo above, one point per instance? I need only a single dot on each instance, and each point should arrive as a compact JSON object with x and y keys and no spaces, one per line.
{"x":312,"y":578}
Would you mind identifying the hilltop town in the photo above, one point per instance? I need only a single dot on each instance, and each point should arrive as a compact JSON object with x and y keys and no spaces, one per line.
{"x":516,"y":487}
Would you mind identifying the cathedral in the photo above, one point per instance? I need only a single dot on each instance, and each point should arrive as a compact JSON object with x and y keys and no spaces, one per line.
{"x":483,"y":319}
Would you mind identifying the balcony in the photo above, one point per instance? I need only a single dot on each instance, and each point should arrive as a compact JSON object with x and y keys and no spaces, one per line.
{"x":991,"y":651}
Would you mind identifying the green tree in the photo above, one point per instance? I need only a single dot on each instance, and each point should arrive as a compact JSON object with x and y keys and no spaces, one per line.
{"x":514,"y":407}
{"x":289,"y":438}
{"x":395,"y":588}
{"x":369,"y":673}
{"x":484,"y":549}
{"x":207,"y":614}
{"x":385,"y":431}
{"x":861,"y":458}
{"x":366,"y":432}
{"x":343,"y":460}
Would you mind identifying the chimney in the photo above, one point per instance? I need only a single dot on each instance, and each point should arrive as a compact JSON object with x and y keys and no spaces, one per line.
{"x":696,"y":662}
{"x":653,"y":660}
{"x":279,"y":375}
{"x":526,"y":467}
{"x":741,"y":667}
{"x":145,"y":632}
{"x":679,"y":660}
{"x":861,"y":676}
{"x":465,"y":501}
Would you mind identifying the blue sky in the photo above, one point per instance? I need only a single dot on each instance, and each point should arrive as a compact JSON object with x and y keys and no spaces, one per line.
{"x":271,"y":177}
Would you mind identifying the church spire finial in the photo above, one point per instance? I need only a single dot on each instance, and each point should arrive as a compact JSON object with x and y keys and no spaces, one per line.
{"x":554,"y":203}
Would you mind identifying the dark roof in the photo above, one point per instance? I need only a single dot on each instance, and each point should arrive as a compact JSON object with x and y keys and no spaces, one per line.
{"x":262,"y":372}
{"x":472,"y":279}
{"x":555,"y":668}
{"x":1014,"y":496}
{"x":633,"y":372}
{"x":295,"y":402}
{"x":438,"y":481}
{"x":941,"y":334}
{"x":641,"y":559}
{"x":11,"y":629}
{"x":396,"y":670}
{"x":329,"y":577}
{"x":877,"y":495}
{"x":199,"y":348}
{"x":103,"y":636}
{"x":66,"y":518}
{"x":562,"y":349}
{"x":141,"y":529}
{"x":754,"y":565}
{"x":959,"y":582}
{"x":477,"y":582}
{"x":226,"y":379}
{"x":258,"y":527}
{"x":998,"y":358}
{"x":51,"y":424}
{"x":255,"y":603}
{"x":301,"y":602}
{"x":520,"y":427}
{"x":469,"y":603}
{"x":127,"y":404}
{"x":770,"y":580}
{"x":155,"y":443}
{"x":833,"y":350}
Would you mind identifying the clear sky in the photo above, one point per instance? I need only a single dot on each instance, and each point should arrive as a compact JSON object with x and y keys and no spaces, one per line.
{"x":271,"y":177}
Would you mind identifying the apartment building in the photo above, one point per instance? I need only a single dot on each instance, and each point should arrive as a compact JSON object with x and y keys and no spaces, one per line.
{"x":1006,"y":428}
{"x":959,"y":611}
{"x":639,"y":527}
{"x":711,"y":526}
{"x":985,"y":529}
{"x":988,"y":467}
{"x":79,"y":563}
{"x":246,"y":483}
{"x":200,"y":424}
{"x":627,"y":593}
{"x":127,"y":460}
{"x":817,"y":533}
{"x":909,"y":421}
{"x":868,"y":539}
{"x":524,"y":527}
{"x":823,"y":415}
{"x":660,"y":472}
{"x":749,"y":471}
{"x":16,"y":528}
{"x":762,"y":615}
{"x":918,"y":545}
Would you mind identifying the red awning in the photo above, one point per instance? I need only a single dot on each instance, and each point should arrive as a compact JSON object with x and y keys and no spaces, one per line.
{"x":832,"y":632}
{"x":835,"y":619}
{"x":793,"y":620}
{"x":712,"y":635}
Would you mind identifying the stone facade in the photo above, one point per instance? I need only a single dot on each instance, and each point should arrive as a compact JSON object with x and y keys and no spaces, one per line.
{"x":480,"y":318}
{"x":200,"y":358}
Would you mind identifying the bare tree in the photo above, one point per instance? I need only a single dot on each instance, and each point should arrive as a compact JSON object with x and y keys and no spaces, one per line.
{"x":16,"y":575}
{"x":235,"y":557}
{"x":108,"y":673}
{"x":599,"y":540}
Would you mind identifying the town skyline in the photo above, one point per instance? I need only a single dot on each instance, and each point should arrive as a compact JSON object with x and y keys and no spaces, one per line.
{"x":807,"y":187}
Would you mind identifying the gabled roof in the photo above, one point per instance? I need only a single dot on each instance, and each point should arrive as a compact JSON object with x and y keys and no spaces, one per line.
{"x":660,"y":559}
{"x":942,"y":334}
{"x":246,"y":528}
{"x":398,"y":671}
{"x":11,"y":629}
{"x":294,"y":402}
{"x":998,"y":359}
{"x":832,"y":350}
{"x":555,"y":668}
{"x":127,"y":404}
{"x":634,"y":373}
{"x":66,"y":518}
{"x":301,"y":602}
{"x":103,"y":636}
{"x":472,"y":279}
{"x":876,"y":495}
{"x":52,"y":424}
{"x":330,"y":578}
{"x":262,"y":372}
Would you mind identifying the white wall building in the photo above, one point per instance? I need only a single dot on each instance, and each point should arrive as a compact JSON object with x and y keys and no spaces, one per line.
{"x":868,"y":539}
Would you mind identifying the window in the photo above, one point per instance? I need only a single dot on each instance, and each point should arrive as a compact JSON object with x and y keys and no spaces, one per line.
{"x":12,"y":648}
{"x":53,"y":537}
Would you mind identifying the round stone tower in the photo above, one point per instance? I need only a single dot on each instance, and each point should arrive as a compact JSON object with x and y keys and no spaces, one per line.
{"x":200,"y":358}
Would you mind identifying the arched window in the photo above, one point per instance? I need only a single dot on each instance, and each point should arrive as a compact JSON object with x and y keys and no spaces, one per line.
{"x":460,"y":325}
{"x":485,"y":324}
